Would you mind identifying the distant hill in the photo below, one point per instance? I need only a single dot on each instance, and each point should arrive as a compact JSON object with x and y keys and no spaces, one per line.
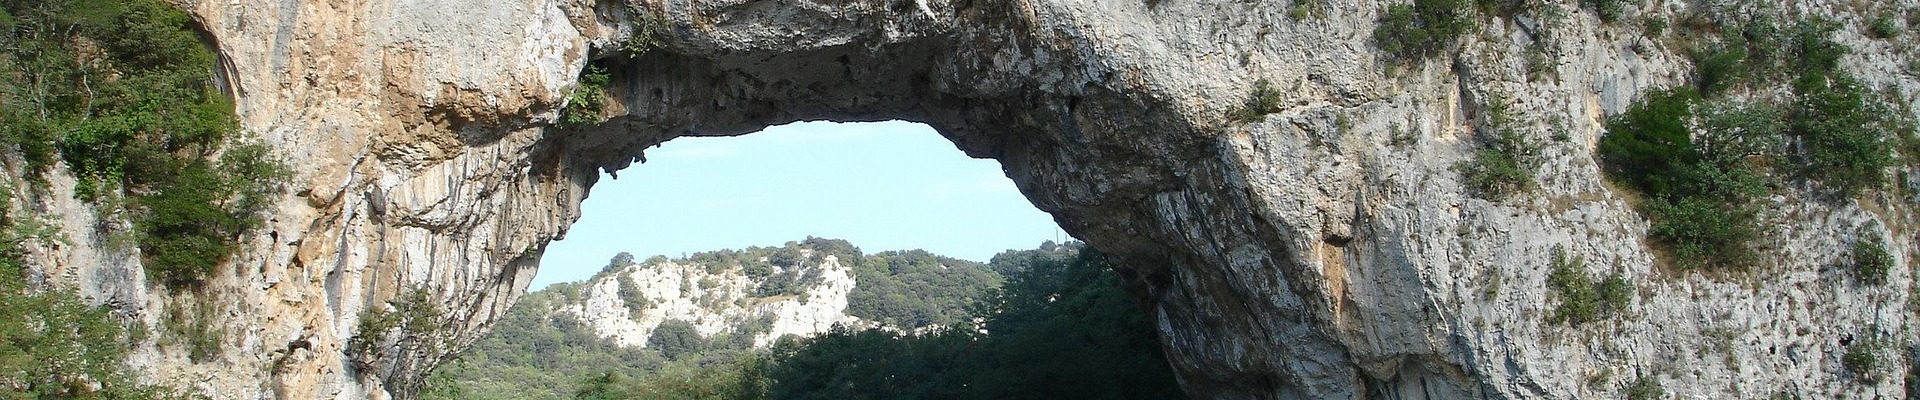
{"x":817,"y":319}
{"x":637,"y":316}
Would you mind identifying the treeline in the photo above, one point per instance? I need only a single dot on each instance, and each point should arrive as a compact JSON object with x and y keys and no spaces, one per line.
{"x":1059,"y":327}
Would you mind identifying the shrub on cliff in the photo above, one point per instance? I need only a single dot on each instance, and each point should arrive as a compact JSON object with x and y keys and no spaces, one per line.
{"x":1871,"y":261}
{"x":1582,"y":299}
{"x":1700,"y":191}
{"x":1843,"y":134}
{"x":1502,"y":166}
{"x":121,"y":92}
{"x":1503,"y":162}
{"x":53,"y":345}
{"x":587,"y":104}
{"x":1408,"y":32}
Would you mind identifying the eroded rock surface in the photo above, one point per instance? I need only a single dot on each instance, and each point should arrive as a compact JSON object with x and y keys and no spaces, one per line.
{"x":1325,"y":251}
{"x":714,"y":301}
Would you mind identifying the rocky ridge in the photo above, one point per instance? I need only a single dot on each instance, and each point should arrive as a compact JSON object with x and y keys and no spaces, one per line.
{"x":714,"y":302}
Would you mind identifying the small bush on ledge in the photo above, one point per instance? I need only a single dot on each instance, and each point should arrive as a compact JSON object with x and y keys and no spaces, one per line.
{"x":1582,"y":299}
{"x":1409,"y":32}
{"x":1264,"y":100}
{"x":1871,"y":262}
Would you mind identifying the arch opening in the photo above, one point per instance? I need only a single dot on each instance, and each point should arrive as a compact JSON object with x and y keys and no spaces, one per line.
{"x":754,"y":261}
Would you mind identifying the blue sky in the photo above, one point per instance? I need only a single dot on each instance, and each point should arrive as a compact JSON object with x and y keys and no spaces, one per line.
{"x":883,"y":186}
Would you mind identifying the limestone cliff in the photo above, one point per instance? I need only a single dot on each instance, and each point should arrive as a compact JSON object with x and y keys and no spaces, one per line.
{"x":714,"y":300}
{"x":1329,"y":250}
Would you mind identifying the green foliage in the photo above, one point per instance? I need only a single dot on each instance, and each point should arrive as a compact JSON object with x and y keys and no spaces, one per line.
{"x":1883,"y":27}
{"x":1654,"y":26}
{"x":1503,"y":166}
{"x":621,"y":260}
{"x":413,"y":313}
{"x":649,"y":34}
{"x":193,"y":324}
{"x":1703,"y":233}
{"x":533,"y":353}
{"x":1755,"y":50}
{"x":53,"y":345}
{"x":1581,"y":299}
{"x":675,"y":339}
{"x":912,"y":289}
{"x":1871,"y":261}
{"x":122,"y":92}
{"x":1862,"y":358}
{"x":588,"y":103}
{"x":1609,"y":11}
{"x":1061,"y":329}
{"x":1701,"y":190}
{"x":1305,"y":9}
{"x":630,"y":295}
{"x":1646,"y":387}
{"x":742,"y":378}
{"x":1264,"y":100}
{"x":1843,"y":133}
{"x":1645,"y":145}
{"x":1409,"y":32}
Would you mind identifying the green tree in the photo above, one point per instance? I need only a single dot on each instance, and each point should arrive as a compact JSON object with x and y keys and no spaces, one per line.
{"x":675,"y":339}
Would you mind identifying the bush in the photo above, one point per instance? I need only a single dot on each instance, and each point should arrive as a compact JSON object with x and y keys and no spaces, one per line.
{"x":1862,"y":358}
{"x":649,"y":34}
{"x":1502,"y":167}
{"x":53,"y":344}
{"x":149,"y":130}
{"x":1882,"y":27}
{"x":1700,"y":195}
{"x":675,"y":339}
{"x":1871,"y":261}
{"x":1645,"y":387}
{"x":630,"y":295}
{"x":1408,"y":32}
{"x":1645,"y":144}
{"x":1654,"y":26}
{"x":413,"y":313}
{"x":1609,"y":11}
{"x":1843,"y":134}
{"x":1703,"y":233}
{"x":1581,"y":299}
{"x":588,"y":102}
{"x":1264,"y":100}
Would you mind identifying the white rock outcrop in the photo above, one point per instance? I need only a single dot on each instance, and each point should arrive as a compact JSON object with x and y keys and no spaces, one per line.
{"x":714,"y":302}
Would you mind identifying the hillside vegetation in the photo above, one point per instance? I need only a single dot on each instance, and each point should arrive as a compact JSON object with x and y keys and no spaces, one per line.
{"x":1056,"y":325}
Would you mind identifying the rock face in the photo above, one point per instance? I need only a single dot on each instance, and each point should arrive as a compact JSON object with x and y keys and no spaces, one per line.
{"x":1325,"y":251}
{"x":714,"y":301}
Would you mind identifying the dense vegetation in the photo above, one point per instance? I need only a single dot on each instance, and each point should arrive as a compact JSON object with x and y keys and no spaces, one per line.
{"x":1060,"y":328}
{"x":1702,"y":160}
{"x":912,"y":289}
{"x":1409,"y":32}
{"x":122,"y":93}
{"x":533,"y":353}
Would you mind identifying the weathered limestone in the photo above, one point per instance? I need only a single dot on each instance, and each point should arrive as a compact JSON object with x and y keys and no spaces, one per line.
{"x":1326,"y":251}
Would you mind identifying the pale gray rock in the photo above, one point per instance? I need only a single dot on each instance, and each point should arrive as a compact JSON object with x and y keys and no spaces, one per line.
{"x":1325,"y":251}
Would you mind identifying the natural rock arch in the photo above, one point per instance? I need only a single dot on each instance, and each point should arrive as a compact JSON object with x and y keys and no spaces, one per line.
{"x":1115,"y":164}
{"x":1325,"y":251}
